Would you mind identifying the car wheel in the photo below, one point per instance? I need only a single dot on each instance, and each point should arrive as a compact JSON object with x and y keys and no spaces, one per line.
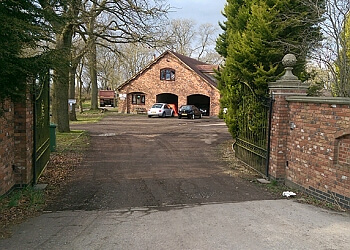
{"x":163,"y":115}
{"x":200,"y":116}
{"x":149,"y":116}
{"x":172,"y":114}
{"x":179,"y":117}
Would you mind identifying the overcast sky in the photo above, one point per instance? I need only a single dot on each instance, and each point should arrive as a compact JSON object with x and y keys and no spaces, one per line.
{"x":202,"y":11}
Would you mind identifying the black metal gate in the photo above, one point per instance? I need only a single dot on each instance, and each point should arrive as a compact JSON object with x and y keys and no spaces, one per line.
{"x":41,"y":123}
{"x":252,"y":143}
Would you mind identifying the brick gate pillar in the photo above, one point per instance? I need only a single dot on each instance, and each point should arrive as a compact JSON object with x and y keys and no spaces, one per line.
{"x":287,"y":85}
{"x":23,"y":140}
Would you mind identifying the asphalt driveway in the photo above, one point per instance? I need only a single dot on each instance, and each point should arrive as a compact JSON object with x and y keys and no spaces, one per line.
{"x":136,"y":161}
{"x":162,"y":184}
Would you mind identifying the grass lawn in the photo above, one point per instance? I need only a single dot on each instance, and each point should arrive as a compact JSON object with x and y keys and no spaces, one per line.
{"x":91,"y":116}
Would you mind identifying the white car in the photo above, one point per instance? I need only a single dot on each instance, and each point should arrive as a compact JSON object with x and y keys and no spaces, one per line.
{"x":160,"y":110}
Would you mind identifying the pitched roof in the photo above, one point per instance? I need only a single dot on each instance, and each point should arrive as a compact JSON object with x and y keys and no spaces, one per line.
{"x":204,"y":70}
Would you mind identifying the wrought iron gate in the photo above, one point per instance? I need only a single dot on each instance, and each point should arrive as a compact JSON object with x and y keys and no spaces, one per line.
{"x":252,"y":143}
{"x":41,"y":123}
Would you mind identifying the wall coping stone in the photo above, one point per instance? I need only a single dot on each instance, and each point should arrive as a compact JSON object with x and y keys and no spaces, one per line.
{"x":288,"y":84}
{"x":319,"y":99}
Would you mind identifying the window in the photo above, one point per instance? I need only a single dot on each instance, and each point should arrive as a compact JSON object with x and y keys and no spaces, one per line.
{"x":157,"y":106}
{"x":138,"y":98}
{"x":167,"y":74}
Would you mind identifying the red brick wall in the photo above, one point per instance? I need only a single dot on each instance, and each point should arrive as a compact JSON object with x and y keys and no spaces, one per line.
{"x":279,"y":129}
{"x":7,"y":147}
{"x":186,"y":83}
{"x":318,"y":152}
{"x":343,"y":153}
{"x":24,"y":141}
{"x":16,"y":145}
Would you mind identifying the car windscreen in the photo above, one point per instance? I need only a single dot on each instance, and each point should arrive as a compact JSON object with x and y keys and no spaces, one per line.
{"x":157,"y":106}
{"x":186,"y":108}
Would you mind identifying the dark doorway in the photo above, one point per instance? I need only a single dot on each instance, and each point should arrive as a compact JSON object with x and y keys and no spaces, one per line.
{"x":200,"y":101}
{"x":171,"y":99}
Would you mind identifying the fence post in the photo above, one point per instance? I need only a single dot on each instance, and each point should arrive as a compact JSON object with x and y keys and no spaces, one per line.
{"x":287,"y":85}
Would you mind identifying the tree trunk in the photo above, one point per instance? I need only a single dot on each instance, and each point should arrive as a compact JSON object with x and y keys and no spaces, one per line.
{"x":81,"y":89}
{"x":72,"y":113}
{"x":93,"y":62}
{"x":93,"y":75}
{"x":61,"y":81}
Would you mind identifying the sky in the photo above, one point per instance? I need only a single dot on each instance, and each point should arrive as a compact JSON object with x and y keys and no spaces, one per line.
{"x":202,"y":11}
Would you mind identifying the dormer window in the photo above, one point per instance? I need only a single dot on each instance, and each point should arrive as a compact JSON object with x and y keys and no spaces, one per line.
{"x":167,"y":74}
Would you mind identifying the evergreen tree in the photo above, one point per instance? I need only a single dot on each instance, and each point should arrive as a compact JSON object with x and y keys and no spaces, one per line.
{"x":256,"y":36}
{"x":22,"y":30}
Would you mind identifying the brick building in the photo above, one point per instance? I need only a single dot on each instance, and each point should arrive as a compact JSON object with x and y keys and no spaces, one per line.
{"x":171,"y":78}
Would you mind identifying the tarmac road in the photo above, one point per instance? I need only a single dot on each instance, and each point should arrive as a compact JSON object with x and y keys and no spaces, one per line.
{"x":153,"y":183}
{"x":136,"y":161}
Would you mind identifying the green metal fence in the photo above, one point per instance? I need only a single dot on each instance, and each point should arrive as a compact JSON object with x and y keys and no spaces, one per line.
{"x":41,"y":123}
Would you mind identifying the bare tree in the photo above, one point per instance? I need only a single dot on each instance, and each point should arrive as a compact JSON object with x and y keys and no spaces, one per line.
{"x":115,"y":21}
{"x":120,"y":62}
{"x":115,"y":63}
{"x":333,"y":50}
{"x":181,"y":34}
{"x":186,"y":38}
{"x":121,"y":22}
{"x":212,"y":57}
{"x":108,"y":68}
{"x":134,"y":57}
{"x":77,"y":53}
{"x":206,"y":39}
{"x":59,"y":14}
{"x":79,"y":76}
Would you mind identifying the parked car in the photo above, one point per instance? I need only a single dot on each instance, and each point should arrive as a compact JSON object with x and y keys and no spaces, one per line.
{"x":160,"y":110}
{"x":203,"y":111}
{"x":189,"y":111}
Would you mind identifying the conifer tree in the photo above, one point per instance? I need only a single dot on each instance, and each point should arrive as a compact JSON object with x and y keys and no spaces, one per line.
{"x":256,"y":36}
{"x":22,"y":32}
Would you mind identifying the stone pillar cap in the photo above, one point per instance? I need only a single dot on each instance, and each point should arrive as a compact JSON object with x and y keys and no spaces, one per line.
{"x":288,"y":80}
{"x":289,"y":62}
